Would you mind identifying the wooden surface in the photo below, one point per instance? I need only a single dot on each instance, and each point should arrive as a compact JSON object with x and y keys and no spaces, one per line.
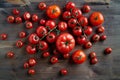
{"x":108,"y":67}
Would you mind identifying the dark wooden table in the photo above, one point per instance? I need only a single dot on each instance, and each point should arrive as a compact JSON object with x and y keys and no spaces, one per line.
{"x":108,"y":67}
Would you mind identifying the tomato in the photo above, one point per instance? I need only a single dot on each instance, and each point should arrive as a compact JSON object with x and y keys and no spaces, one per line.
{"x":19,"y":44}
{"x":53,"y":11}
{"x":78,"y":57}
{"x":66,"y":15}
{"x":46,"y":54}
{"x":31,"y":49}
{"x":35,"y":18}
{"x":54,"y":60}
{"x":15,"y":11}
{"x":42,"y":6}
{"x":92,"y":55}
{"x":77,"y":31}
{"x":96,"y":18}
{"x":95,"y":38}
{"x":94,"y":60}
{"x":22,"y":34}
{"x":29,"y":25}
{"x":41,"y":31}
{"x":100,"y":29}
{"x":76,"y":13}
{"x":83,"y":21}
{"x":65,"y":43}
{"x":42,"y":21}
{"x":72,"y":23}
{"x":50,"y":24}
{"x":51,"y":38}
{"x":43,"y":45}
{"x":108,"y":50}
{"x":81,"y":40}
{"x":66,"y":56}
{"x":18,"y":20}
{"x":26,"y":16}
{"x":55,"y":52}
{"x":26,"y":65}
{"x":87,"y":45}
{"x":3,"y":36}
{"x":88,"y":30}
{"x":31,"y":71}
{"x":10,"y":19}
{"x":33,"y":38}
{"x":62,"y":26}
{"x":63,"y":72}
{"x":32,"y":62}
{"x":70,"y":5}
{"x":86,"y":9}
{"x":10,"y":54}
{"x":103,"y":37}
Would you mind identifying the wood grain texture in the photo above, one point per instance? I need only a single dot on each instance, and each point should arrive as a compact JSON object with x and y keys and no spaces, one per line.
{"x":108,"y":67}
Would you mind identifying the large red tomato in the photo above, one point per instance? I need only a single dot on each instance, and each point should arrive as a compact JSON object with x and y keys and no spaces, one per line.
{"x":78,"y":57}
{"x":53,"y":11}
{"x":96,"y":18}
{"x":65,"y":43}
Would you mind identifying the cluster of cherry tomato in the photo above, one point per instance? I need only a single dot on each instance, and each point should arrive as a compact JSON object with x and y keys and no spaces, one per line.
{"x":73,"y":30}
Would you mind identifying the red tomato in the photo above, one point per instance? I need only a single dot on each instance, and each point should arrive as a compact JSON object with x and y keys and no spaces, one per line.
{"x":33,"y":38}
{"x":10,"y":54}
{"x":83,"y":21}
{"x":46,"y":54}
{"x":18,"y":20}
{"x":50,"y":24}
{"x":51,"y":38}
{"x":94,"y":60}
{"x":66,"y":15}
{"x":43,"y":45}
{"x":19,"y":43}
{"x":35,"y":18}
{"x":26,"y":65}
{"x":78,"y":57}
{"x":15,"y":11}
{"x":108,"y":50}
{"x":32,"y":62}
{"x":96,"y":18}
{"x":63,"y":72}
{"x":10,"y":19}
{"x":77,"y":31}
{"x":72,"y":23}
{"x":62,"y":26}
{"x":81,"y":40}
{"x":92,"y":55}
{"x":88,"y":30}
{"x":87,"y":45}
{"x":41,"y":31}
{"x":86,"y":8}
{"x":95,"y":38}
{"x":65,"y":43}
{"x":26,"y":16}
{"x":31,"y":71}
{"x":66,"y":56}
{"x":42,"y":21}
{"x":30,"y":49}
{"x":3,"y":36}
{"x":76,"y":13}
{"x":103,"y":37}
{"x":42,"y":6}
{"x":54,"y":60}
{"x":70,"y":6}
{"x":22,"y":34}
{"x":53,"y":11}
{"x":100,"y":29}
{"x":29,"y":25}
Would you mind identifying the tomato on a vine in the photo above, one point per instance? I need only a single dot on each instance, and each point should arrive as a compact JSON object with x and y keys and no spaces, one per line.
{"x":62,"y":26}
{"x":50,"y":24}
{"x":33,"y":38}
{"x":43,"y":45}
{"x":51,"y":38}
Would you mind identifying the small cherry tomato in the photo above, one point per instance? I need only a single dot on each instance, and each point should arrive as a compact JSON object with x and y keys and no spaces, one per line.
{"x":34,"y":17}
{"x":63,"y":72}
{"x":72,"y":23}
{"x":54,"y":60}
{"x":83,"y":21}
{"x":30,"y":49}
{"x":42,"y":6}
{"x":32,"y":62}
{"x":62,"y":26}
{"x":26,"y":65}
{"x":3,"y":36}
{"x":86,"y":8}
{"x":87,"y":45}
{"x":26,"y":16}
{"x":33,"y":38}
{"x":41,"y":31}
{"x":22,"y":34}
{"x":76,"y":13}
{"x":78,"y":57}
{"x":50,"y":24}
{"x":66,"y":56}
{"x":66,"y":15}
{"x":100,"y":29}
{"x":10,"y":19}
{"x":70,"y":6}
{"x":77,"y":31}
{"x":81,"y":40}
{"x":51,"y":38}
{"x":88,"y":30}
{"x":43,"y":45}
{"x":31,"y":71}
{"x":92,"y":55}
{"x":95,"y":38}
{"x":15,"y":11}
{"x":29,"y":25}
{"x":46,"y":54}
{"x":19,"y":44}
{"x":18,"y":20}
{"x":103,"y":37}
{"x":96,"y":18}
{"x":53,"y":11}
{"x":94,"y":60}
{"x":108,"y":50}
{"x":42,"y":21}
{"x":10,"y":54}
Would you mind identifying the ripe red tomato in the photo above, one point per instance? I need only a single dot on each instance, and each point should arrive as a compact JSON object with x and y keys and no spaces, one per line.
{"x":108,"y":50}
{"x":87,"y":45}
{"x":78,"y":57}
{"x":103,"y":37}
{"x":26,"y":65}
{"x":46,"y":54}
{"x":10,"y":19}
{"x":53,"y":11}
{"x":10,"y":54}
{"x":43,"y":45}
{"x":83,"y":21}
{"x":41,"y":31}
{"x":72,"y":23}
{"x":32,"y":62}
{"x":94,"y":60}
{"x":100,"y":29}
{"x":18,"y":20}
{"x":77,"y":31}
{"x":51,"y":38}
{"x":92,"y":55}
{"x":54,"y":60}
{"x":42,"y":6}
{"x":76,"y":13}
{"x":31,"y":71}
{"x":88,"y":30}
{"x":29,"y":25}
{"x":15,"y":11}
{"x":86,"y":9}
{"x":63,"y":72}
{"x":81,"y":40}
{"x":70,"y":5}
{"x":26,"y":16}
{"x":19,"y":43}
{"x":66,"y":56}
{"x":66,"y":15}
{"x":65,"y":43}
{"x":95,"y":38}
{"x":96,"y":18}
{"x":3,"y":36}
{"x":30,"y":49}
{"x":50,"y":24}
{"x":35,"y":18}
{"x":33,"y":38}
{"x":22,"y":34}
{"x":62,"y":26}
{"x":42,"y":21}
